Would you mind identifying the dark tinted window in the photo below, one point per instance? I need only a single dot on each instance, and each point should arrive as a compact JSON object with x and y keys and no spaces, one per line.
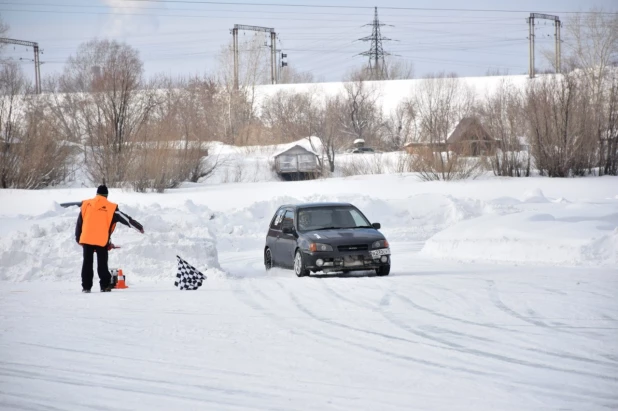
{"x":288,"y":219}
{"x":317,"y":218}
{"x":276,"y":223}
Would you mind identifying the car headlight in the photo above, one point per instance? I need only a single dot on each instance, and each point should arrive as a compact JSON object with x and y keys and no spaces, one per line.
{"x":380,"y":244}
{"x":313,"y":247}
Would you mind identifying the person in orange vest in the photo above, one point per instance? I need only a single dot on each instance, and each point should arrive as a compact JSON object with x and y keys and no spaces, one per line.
{"x":95,"y":224}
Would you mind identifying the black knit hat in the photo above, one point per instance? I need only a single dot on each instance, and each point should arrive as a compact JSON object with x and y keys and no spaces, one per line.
{"x":102,"y":190}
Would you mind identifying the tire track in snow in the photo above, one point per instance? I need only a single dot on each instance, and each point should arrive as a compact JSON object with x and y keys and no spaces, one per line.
{"x":389,"y":294}
{"x":497,"y":327}
{"x":497,"y":301}
{"x":118,"y":385}
{"x":372,"y":349}
{"x":453,"y":346}
{"x":385,"y":301}
{"x":504,"y":358}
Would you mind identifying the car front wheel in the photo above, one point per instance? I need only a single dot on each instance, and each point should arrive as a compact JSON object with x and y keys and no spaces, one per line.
{"x":383,"y":270}
{"x":268,"y":259}
{"x":299,"y":265}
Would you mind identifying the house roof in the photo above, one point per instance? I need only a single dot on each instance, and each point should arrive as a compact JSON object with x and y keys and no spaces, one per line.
{"x":294,"y":146}
{"x":305,"y":144}
{"x":468,"y":127}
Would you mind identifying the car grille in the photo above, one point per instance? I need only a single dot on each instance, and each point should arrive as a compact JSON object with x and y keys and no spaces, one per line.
{"x":354,"y":247}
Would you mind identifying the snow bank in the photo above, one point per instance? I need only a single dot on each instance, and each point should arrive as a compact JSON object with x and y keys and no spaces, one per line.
{"x":467,"y":221}
{"x":541,"y":232}
{"x":46,"y":250}
{"x":43,"y":247}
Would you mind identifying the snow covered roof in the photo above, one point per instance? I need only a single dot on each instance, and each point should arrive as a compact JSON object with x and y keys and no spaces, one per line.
{"x":311,"y":144}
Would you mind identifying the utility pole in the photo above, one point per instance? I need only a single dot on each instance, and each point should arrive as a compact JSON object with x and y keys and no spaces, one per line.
{"x":235,"y":47}
{"x":531,"y":46}
{"x":273,"y":57}
{"x":557,"y":25}
{"x":37,"y":63}
{"x":273,"y":53}
{"x":376,"y":51}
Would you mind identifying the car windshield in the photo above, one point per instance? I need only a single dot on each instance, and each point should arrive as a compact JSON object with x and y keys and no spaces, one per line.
{"x":324,"y":218}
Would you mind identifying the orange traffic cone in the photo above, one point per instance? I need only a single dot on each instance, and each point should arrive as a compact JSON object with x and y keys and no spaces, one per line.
{"x":121,"y":280}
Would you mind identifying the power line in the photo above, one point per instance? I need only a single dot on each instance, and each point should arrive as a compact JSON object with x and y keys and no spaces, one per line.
{"x":362,"y":7}
{"x":459,"y":19}
{"x":334,"y":20}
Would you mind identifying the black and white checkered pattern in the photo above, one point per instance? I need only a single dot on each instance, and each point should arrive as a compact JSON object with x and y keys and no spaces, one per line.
{"x":188,"y":277}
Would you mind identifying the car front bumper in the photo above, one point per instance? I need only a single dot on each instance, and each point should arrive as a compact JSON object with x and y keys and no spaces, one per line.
{"x":331,"y":261}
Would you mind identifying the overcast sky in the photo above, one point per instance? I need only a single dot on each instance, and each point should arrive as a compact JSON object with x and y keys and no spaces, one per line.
{"x":184,"y":38}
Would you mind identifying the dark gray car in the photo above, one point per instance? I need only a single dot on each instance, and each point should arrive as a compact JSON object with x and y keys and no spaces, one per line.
{"x":327,"y":237}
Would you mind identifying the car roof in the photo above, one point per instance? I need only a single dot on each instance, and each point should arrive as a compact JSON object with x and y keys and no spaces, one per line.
{"x":311,"y":205}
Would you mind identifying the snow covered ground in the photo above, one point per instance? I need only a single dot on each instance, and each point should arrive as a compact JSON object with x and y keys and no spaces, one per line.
{"x":503,"y":295}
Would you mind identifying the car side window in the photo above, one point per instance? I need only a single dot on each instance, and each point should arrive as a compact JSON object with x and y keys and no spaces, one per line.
{"x":276,"y":224}
{"x":288,"y":219}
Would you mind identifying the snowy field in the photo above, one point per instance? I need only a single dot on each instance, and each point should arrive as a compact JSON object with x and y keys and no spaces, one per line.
{"x":503,"y":295}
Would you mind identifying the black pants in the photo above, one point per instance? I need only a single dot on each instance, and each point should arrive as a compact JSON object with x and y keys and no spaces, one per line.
{"x":102,"y":269}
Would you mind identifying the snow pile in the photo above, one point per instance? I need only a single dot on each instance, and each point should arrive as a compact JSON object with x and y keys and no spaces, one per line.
{"x":44,"y":246}
{"x":464,"y":221}
{"x":542,"y":232}
{"x":47,"y":250}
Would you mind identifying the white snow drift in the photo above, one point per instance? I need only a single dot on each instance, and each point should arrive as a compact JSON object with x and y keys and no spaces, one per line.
{"x":460,"y":221}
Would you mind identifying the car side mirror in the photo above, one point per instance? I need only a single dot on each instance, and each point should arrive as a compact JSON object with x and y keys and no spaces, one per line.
{"x":377,"y":226}
{"x":287,"y":230}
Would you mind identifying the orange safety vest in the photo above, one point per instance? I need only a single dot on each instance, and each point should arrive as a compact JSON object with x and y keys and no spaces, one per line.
{"x":97,"y":216}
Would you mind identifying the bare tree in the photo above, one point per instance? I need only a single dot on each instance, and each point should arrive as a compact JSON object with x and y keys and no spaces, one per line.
{"x":394,"y":69}
{"x":240,"y":119}
{"x":326,"y":125}
{"x":288,"y":115}
{"x":361,"y":116}
{"x":591,"y":44}
{"x":111,"y":102}
{"x":399,"y":126}
{"x":591,"y":56}
{"x":441,"y":101}
{"x":560,"y":117}
{"x":398,"y":69}
{"x":13,"y":87}
{"x":33,"y":153}
{"x":502,"y":114}
{"x":290,"y":75}
{"x":200,"y":116}
{"x":4,"y":28}
{"x":608,"y":160}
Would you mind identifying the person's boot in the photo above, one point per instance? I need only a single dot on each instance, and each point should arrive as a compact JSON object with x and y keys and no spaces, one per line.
{"x":85,"y":291}
{"x":107,"y":289}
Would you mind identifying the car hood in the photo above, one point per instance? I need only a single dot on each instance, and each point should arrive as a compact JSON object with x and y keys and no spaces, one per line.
{"x":344,"y":236}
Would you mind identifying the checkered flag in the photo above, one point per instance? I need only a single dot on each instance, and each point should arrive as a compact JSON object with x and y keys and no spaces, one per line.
{"x":188,"y":277}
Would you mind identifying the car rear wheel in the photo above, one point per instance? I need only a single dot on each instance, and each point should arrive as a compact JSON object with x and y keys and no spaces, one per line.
{"x":268,"y":259}
{"x":299,"y":265}
{"x":383,"y":270}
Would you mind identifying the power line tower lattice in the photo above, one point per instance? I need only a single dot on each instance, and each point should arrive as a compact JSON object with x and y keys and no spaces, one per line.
{"x":37,"y":62}
{"x":376,"y":53}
